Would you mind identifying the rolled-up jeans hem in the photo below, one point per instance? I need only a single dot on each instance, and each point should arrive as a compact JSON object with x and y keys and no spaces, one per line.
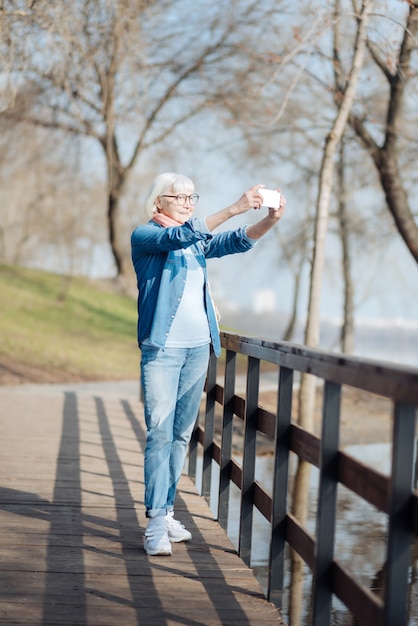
{"x":156,"y":513}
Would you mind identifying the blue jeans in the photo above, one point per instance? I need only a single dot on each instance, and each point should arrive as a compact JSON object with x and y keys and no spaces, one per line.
{"x":172,"y":383}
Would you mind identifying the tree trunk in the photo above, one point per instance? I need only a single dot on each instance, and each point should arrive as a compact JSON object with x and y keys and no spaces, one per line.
{"x":307,"y":388}
{"x":112,"y":213}
{"x":290,"y":328}
{"x":397,"y":199}
{"x":385,"y":157}
{"x":347,"y":329}
{"x":116,"y":178}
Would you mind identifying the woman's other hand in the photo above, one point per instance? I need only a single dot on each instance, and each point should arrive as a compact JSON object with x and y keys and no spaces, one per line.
{"x":251,"y":199}
{"x":277,"y":212}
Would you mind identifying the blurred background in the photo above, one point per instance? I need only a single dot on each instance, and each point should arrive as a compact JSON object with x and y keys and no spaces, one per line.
{"x":98,"y":97}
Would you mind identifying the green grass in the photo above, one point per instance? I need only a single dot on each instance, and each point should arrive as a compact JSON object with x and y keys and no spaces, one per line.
{"x":78,"y":327}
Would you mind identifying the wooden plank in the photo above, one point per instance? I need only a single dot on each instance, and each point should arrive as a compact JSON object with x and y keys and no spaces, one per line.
{"x":366,"y":482}
{"x":72,"y":520}
{"x":305,"y":444}
{"x":366,"y":607}
{"x":300,"y":540}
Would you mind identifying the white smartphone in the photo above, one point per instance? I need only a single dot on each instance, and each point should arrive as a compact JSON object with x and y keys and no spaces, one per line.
{"x":271,"y":198}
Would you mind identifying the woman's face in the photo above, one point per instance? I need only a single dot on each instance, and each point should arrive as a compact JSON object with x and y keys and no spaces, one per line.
{"x":180,"y":208}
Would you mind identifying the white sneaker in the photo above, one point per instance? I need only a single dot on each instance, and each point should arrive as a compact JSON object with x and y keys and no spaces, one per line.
{"x":156,"y":540}
{"x":175,"y":530}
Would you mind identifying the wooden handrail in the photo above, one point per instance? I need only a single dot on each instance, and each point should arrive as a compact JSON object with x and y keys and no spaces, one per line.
{"x":392,"y":495}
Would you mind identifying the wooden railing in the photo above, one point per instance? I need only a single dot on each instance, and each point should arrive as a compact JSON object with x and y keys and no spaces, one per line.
{"x":394,"y":495}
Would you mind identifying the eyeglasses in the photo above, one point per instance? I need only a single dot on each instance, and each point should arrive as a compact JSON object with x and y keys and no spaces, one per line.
{"x":181,"y":198}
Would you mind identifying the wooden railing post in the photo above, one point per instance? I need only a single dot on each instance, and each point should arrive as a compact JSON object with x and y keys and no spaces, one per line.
{"x":248,"y":461}
{"x":399,"y":539}
{"x":209,"y":427}
{"x":192,"y":456}
{"x":327,"y":506}
{"x":227,"y":429}
{"x":276,"y":571}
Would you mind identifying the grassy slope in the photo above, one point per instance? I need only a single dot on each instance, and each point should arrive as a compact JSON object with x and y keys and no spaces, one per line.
{"x":88,"y":332}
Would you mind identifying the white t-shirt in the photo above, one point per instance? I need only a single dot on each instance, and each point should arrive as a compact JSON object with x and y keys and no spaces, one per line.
{"x":190,"y":326}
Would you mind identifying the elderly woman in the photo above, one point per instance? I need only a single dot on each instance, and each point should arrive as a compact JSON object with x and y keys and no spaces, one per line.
{"x":176,"y":326}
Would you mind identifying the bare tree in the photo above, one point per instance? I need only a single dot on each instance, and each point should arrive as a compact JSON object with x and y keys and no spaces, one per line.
{"x":307,"y":387}
{"x":347,"y":328}
{"x":294,"y":246}
{"x":383,"y":141}
{"x":127,"y":74}
{"x":307,"y":78}
{"x":48,"y":210}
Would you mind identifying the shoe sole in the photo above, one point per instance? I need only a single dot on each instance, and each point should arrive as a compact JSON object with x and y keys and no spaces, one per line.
{"x":163,"y":552}
{"x":178,"y":539}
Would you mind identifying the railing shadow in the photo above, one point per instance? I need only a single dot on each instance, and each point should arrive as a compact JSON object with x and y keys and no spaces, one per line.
{"x":74,"y":575}
{"x":66,"y":520}
{"x":229,"y":592}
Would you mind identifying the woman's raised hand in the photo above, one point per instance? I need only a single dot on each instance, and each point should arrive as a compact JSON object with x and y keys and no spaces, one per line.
{"x":251,"y":199}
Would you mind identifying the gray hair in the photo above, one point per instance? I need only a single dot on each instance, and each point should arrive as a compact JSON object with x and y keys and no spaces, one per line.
{"x":167,"y":183}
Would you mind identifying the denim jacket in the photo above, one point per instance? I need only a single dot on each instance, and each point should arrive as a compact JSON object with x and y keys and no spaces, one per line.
{"x":161,"y":272}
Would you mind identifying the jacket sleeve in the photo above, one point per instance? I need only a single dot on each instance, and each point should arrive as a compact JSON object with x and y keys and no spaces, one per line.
{"x":155,"y":239}
{"x":228,"y":242}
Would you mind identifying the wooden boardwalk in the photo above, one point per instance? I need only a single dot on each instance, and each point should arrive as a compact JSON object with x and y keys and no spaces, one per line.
{"x":72,"y":519}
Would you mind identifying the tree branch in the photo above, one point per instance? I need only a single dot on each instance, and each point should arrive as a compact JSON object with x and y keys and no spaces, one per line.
{"x":169,"y":92}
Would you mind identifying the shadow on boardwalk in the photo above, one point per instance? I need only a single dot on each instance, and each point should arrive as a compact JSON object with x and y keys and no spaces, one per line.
{"x":72,"y":518}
